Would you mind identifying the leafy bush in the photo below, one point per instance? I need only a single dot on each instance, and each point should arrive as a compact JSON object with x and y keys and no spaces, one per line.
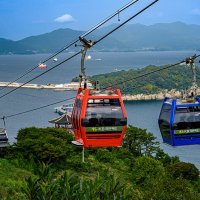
{"x":44,"y":144}
{"x":104,"y":155}
{"x":186,"y":170}
{"x":139,"y":142}
{"x":146,"y":168}
{"x":165,"y":158}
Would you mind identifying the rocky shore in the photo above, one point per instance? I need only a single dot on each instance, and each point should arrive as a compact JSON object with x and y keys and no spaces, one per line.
{"x":158,"y":96}
{"x":74,"y":86}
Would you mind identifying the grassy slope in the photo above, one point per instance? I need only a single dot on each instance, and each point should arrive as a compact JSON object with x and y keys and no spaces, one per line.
{"x":12,"y":179}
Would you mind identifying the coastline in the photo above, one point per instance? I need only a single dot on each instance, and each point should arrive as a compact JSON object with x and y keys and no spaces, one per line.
{"x":74,"y":86}
{"x":157,"y":96}
{"x":65,"y":86}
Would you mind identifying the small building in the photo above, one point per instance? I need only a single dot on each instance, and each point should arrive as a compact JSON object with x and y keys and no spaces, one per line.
{"x":63,"y":121}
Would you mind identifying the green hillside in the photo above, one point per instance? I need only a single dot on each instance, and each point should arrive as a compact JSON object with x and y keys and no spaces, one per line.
{"x":43,"y":164}
{"x":179,"y":77}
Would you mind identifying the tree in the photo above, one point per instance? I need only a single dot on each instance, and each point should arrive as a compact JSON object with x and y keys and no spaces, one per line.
{"x":146,"y":168}
{"x":165,"y":158}
{"x":44,"y":144}
{"x":139,"y":142}
{"x":186,"y":170}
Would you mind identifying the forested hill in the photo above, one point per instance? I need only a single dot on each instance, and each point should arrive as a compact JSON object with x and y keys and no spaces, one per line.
{"x":179,"y":77}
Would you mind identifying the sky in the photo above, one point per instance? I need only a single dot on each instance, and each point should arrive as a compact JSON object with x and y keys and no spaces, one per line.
{"x":24,"y":18}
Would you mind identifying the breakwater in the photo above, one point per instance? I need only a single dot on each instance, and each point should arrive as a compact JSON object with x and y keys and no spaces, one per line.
{"x":65,"y":86}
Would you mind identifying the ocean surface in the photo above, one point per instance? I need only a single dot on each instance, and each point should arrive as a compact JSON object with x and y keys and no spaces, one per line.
{"x":143,"y":114}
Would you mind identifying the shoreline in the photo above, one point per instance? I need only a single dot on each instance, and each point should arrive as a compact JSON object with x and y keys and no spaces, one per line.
{"x":73,"y":86}
{"x":65,"y":86}
{"x":156,"y":96}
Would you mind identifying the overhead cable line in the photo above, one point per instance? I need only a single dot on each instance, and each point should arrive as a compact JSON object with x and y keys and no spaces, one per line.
{"x":126,"y":21}
{"x":73,"y":42}
{"x":92,"y":29}
{"x":94,"y":43}
{"x":69,"y":59}
{"x":34,"y":109}
{"x":134,"y":78}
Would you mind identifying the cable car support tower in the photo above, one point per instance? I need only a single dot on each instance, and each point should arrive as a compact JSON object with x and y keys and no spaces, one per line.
{"x":82,"y":76}
{"x":192,"y":91}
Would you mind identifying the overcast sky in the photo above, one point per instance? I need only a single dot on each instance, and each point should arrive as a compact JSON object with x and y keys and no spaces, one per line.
{"x":23,"y":18}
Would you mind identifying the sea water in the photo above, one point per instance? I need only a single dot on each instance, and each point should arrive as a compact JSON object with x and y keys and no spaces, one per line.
{"x":143,"y":114}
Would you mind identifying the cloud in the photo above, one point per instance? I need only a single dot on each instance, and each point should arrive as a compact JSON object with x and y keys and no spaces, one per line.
{"x":196,"y":11}
{"x":64,"y":18}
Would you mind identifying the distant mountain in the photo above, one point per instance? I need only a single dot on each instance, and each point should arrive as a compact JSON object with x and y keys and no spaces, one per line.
{"x":11,"y":47}
{"x":49,"y":42}
{"x":162,"y":36}
{"x":132,"y":37}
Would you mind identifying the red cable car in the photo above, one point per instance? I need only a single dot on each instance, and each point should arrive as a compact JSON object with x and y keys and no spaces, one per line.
{"x":99,"y":118}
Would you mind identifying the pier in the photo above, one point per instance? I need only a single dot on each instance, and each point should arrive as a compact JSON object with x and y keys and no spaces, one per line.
{"x":65,"y":86}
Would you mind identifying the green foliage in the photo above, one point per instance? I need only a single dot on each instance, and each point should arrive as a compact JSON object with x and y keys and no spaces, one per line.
{"x":165,"y":158}
{"x":71,"y":186}
{"x":156,"y":181}
{"x":104,"y":155}
{"x":146,"y":168}
{"x":139,"y":170}
{"x":139,"y":142}
{"x":44,"y":144}
{"x":178,"y":77}
{"x":167,"y":188}
{"x":11,"y":180}
{"x":43,"y":187}
{"x":31,"y":189}
{"x":186,"y":170}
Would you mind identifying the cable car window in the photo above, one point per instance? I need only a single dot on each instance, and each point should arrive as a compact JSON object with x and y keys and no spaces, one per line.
{"x":165,"y":113}
{"x":187,"y":118}
{"x":103,"y":102}
{"x":104,"y":112}
{"x":181,"y":109}
{"x":77,"y":111}
{"x":164,"y":121}
{"x":78,"y":105}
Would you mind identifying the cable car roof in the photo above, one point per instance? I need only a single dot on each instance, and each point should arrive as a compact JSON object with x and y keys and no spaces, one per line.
{"x":183,"y":102}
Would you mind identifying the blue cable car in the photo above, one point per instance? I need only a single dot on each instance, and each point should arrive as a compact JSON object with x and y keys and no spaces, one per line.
{"x":179,"y":121}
